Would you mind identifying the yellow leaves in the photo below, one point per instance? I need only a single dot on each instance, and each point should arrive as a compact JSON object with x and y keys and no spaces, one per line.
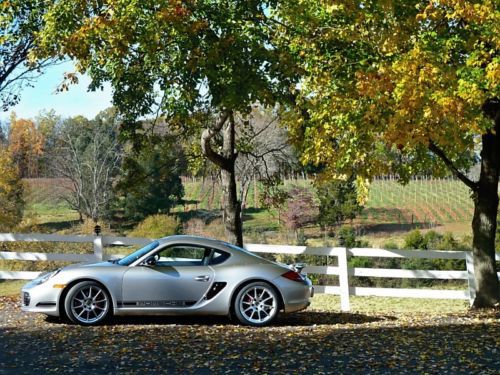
{"x":470,"y":93}
{"x":363,"y":189}
{"x":493,"y":75}
{"x":10,"y":191}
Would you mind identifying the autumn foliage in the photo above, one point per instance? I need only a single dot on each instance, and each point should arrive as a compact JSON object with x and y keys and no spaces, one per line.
{"x":26,"y":146}
{"x":11,"y":192}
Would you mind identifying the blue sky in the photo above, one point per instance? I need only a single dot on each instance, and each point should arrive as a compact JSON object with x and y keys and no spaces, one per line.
{"x":76,"y":101}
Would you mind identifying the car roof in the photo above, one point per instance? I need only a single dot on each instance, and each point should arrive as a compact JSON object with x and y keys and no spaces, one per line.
{"x":206,"y":241}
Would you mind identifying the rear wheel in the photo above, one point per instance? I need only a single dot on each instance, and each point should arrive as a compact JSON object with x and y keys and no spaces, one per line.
{"x":256,"y":304}
{"x":87,"y":303}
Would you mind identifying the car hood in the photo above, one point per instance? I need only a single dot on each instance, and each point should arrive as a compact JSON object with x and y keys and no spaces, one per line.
{"x":90,"y":264}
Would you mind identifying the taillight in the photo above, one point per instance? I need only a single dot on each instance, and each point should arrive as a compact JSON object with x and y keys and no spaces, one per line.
{"x":294,"y":276}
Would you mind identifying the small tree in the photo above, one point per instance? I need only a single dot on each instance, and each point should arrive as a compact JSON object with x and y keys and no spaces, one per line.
{"x":150,"y":182}
{"x":337,"y":202}
{"x":11,"y":192}
{"x":88,"y":154}
{"x":302,"y":209}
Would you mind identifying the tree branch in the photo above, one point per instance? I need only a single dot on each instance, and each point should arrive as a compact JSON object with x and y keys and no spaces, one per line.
{"x":206,"y":147}
{"x":462,"y":177}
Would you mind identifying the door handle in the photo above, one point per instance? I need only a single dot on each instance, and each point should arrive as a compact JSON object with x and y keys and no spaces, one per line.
{"x":202,"y":278}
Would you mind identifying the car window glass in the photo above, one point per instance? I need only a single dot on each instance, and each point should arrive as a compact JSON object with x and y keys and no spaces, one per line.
{"x":129,"y":259}
{"x":219,"y":257}
{"x":182,"y":255}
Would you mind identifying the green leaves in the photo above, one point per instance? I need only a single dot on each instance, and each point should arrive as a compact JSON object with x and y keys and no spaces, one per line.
{"x":205,"y":53}
{"x":391,"y":75}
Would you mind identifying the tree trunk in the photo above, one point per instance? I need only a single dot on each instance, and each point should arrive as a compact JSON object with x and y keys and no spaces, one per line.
{"x":485,"y":197}
{"x":226,"y":160}
{"x":232,"y":209}
{"x":484,"y":223}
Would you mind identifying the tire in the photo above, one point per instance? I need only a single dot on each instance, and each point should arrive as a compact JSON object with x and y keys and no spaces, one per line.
{"x":87,"y":303}
{"x":256,"y":304}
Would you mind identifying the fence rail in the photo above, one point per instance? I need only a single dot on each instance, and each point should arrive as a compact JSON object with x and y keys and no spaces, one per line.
{"x":342,"y":270}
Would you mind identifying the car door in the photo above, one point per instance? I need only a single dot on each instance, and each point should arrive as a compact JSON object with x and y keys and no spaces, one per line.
{"x":174,"y":276}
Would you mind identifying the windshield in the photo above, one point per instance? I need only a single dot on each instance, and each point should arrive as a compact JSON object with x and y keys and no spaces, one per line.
{"x":129,"y":259}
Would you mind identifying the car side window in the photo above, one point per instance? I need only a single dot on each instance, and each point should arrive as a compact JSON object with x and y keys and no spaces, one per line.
{"x":219,"y":257}
{"x":182,"y":255}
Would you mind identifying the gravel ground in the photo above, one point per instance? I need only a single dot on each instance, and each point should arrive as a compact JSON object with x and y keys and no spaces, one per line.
{"x":308,"y":342}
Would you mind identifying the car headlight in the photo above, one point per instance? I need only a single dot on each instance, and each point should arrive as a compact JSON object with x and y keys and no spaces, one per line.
{"x":45,"y":276}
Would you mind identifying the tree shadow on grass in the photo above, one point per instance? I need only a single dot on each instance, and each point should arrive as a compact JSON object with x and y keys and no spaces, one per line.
{"x":207,"y":216}
{"x":56,"y":226}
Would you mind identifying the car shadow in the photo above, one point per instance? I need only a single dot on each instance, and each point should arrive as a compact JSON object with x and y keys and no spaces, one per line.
{"x":300,"y":319}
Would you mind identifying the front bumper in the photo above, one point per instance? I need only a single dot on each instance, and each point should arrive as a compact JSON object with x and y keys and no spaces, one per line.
{"x":40,"y":299}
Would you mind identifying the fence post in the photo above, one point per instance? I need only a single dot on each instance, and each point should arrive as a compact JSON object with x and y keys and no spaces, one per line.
{"x":343,"y":280}
{"x":98,"y":248}
{"x":469,"y":263}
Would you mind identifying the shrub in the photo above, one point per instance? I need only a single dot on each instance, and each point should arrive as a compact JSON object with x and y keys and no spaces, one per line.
{"x":301,"y":209}
{"x":88,"y":226}
{"x":415,"y":240}
{"x":301,"y":238}
{"x":337,"y":202}
{"x":390,"y":245}
{"x":156,"y":226}
{"x":347,"y":238}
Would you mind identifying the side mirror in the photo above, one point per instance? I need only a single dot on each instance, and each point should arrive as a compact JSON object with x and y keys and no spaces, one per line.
{"x":151,"y":261}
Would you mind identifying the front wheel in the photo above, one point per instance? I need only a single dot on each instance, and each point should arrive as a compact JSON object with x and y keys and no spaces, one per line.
{"x":256,"y":304}
{"x":87,"y":303}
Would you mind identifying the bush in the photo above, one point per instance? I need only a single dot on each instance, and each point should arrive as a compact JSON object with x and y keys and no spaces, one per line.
{"x":347,"y":238}
{"x":390,"y":245}
{"x":301,"y":238}
{"x":415,"y":240}
{"x":301,"y":209}
{"x":156,"y":226}
{"x":337,"y":202}
{"x":88,"y":227}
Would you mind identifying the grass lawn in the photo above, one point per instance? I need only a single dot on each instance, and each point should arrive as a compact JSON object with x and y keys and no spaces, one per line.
{"x":385,"y":305}
{"x":11,"y":287}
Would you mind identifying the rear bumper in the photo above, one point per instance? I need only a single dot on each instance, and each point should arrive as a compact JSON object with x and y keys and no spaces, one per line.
{"x":296,"y":296}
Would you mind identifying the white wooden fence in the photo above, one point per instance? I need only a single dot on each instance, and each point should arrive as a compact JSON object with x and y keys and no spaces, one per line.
{"x":341,"y":270}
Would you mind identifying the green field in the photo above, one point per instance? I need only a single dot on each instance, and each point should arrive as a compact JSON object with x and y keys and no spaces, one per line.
{"x":420,"y":201}
{"x":391,"y":209}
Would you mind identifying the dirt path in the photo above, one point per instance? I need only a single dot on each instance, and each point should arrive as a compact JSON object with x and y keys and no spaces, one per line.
{"x":308,"y":342}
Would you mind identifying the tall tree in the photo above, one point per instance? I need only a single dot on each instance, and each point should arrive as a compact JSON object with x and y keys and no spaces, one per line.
{"x":25,"y":145}
{"x":404,"y":86}
{"x":208,"y":55}
{"x":87,"y":153}
{"x":20,"y":20}
{"x":264,"y":150}
{"x":47,"y":123}
{"x":11,"y":192}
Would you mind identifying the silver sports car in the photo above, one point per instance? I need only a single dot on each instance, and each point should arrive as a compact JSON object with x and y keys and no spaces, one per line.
{"x":172,"y":276}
